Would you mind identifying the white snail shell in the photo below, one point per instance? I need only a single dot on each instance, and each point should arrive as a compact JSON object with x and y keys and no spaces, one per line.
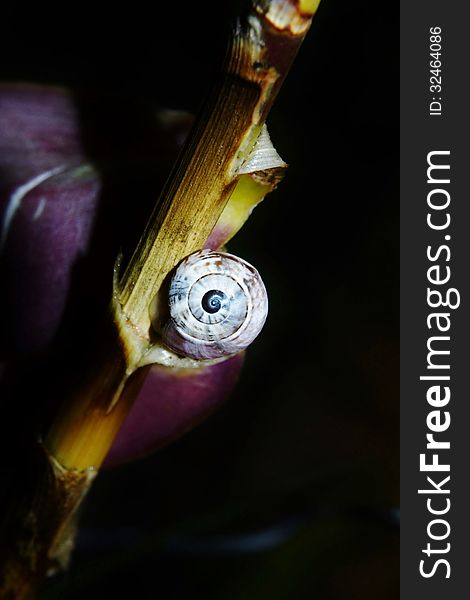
{"x":263,"y":156}
{"x":218,"y":305}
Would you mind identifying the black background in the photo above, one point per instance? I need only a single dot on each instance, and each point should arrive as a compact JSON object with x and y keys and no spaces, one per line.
{"x":304,"y":457}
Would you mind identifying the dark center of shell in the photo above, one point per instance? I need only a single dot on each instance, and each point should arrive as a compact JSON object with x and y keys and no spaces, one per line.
{"x":212,"y":301}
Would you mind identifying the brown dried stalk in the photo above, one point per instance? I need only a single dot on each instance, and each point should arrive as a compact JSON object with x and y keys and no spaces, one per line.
{"x":40,"y":529}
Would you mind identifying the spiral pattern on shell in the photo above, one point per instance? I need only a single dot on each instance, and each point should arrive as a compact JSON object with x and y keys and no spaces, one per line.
{"x":218,"y":305}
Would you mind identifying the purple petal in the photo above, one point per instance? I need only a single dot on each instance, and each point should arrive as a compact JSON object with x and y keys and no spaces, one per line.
{"x":41,"y":245}
{"x":48,"y":200}
{"x":38,"y":131}
{"x":170,"y":403}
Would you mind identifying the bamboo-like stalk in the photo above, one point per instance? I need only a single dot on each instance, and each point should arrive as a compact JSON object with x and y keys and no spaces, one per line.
{"x":259,"y":55}
{"x":263,"y":45}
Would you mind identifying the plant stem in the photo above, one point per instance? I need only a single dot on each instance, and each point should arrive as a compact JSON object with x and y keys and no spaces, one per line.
{"x":190,"y":206}
{"x":259,"y":56}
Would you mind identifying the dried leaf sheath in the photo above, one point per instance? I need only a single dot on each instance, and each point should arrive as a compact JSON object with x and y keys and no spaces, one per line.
{"x":259,"y":56}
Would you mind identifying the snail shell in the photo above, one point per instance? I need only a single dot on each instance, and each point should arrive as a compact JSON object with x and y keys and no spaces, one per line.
{"x":217,"y":303}
{"x":263,"y":157}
